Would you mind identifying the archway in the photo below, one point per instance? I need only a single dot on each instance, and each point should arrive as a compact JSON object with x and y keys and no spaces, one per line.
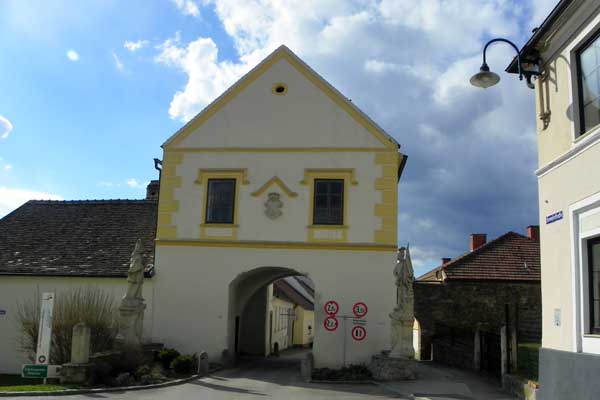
{"x":259,"y":321}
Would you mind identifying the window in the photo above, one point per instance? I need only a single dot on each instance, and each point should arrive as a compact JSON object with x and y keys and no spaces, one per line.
{"x":328,"y":202}
{"x":588,"y":76}
{"x":220,"y":201}
{"x":594,"y":279}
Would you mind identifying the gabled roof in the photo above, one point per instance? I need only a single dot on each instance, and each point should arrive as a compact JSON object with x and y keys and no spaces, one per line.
{"x":292,"y":290}
{"x":77,"y":238}
{"x":283,"y":52}
{"x":510,"y":257}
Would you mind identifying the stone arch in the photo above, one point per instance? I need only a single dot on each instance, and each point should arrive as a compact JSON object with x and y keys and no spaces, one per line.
{"x":248,"y":327}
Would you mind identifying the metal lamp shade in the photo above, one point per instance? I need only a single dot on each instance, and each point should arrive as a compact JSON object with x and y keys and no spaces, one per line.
{"x":484,"y":79}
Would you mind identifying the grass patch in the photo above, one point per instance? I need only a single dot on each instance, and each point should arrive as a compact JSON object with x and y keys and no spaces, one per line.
{"x":15,"y":383}
{"x":349,"y":373}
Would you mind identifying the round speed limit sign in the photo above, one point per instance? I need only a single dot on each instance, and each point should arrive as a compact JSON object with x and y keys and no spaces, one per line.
{"x":330,"y":323}
{"x":360,"y":309}
{"x":331,"y":307}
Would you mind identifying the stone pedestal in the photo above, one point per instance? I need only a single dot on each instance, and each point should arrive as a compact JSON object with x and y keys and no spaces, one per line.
{"x":76,"y":373}
{"x":387,"y":368}
{"x":131,"y":323}
{"x":80,"y":344}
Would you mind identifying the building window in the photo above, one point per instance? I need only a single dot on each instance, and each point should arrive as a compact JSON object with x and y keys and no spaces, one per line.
{"x":328,"y":202}
{"x":220,"y":201}
{"x":588,"y":76}
{"x":594,"y":279}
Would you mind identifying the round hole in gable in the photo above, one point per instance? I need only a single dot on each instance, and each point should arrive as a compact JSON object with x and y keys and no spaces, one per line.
{"x":280,"y":88}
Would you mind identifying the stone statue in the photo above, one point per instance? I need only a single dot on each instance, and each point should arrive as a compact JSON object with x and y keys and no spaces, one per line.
{"x":135,"y":275}
{"x":131,"y":310}
{"x":273,"y":206}
{"x":403,"y":317}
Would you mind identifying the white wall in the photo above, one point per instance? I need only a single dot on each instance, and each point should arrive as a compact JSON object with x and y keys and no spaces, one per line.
{"x":15,"y":290}
{"x":192,"y":297}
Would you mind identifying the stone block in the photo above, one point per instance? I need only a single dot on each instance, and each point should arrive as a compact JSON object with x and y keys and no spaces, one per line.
{"x":386,"y":368}
{"x":76,"y":373}
{"x":306,"y":367}
{"x":80,"y":344}
{"x":203,"y":363}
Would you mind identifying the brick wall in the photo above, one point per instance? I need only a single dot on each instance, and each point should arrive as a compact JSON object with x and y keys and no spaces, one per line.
{"x":458,"y":306}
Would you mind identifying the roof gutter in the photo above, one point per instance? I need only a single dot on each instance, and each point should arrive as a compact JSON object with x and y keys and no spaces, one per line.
{"x":529,"y":50}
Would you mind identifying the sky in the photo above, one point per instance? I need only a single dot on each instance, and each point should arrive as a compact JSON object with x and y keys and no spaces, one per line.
{"x":89,"y":90}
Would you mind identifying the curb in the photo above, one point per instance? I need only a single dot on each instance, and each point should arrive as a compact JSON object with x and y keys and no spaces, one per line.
{"x":342,"y":382}
{"x":69,"y":392}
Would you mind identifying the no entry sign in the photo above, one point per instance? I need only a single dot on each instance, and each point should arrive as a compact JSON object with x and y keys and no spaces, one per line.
{"x":359,"y":333}
{"x":331,"y":323}
{"x":331,"y":307}
{"x":360,"y":309}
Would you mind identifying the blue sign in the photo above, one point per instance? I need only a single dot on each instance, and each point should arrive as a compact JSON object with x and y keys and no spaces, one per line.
{"x":554,"y":217}
{"x":2,"y":312}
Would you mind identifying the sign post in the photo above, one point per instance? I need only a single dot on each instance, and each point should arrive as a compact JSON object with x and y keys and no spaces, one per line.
{"x":42,"y":355}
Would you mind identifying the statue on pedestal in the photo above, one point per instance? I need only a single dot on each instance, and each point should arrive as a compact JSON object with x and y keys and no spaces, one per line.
{"x":403,"y":316}
{"x":131,"y":310}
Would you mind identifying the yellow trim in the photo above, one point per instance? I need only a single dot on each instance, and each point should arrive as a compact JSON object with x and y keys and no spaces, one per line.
{"x":241,"y":177}
{"x":345,"y":173}
{"x":278,"y":245}
{"x":349,"y":178}
{"x":168,"y":205}
{"x":281,"y":53}
{"x":274,"y":181}
{"x":387,"y":209}
{"x":242,"y":173}
{"x":282,"y":150}
{"x":276,"y":85}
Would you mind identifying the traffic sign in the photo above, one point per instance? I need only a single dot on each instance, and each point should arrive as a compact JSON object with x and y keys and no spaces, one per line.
{"x":359,"y":333}
{"x":360,"y":309}
{"x":331,"y":307}
{"x":34,"y":371}
{"x":331,"y":323}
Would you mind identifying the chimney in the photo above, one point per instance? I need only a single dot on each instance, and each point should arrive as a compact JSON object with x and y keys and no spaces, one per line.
{"x":152,"y":190}
{"x":533,"y":232}
{"x":445,"y":260}
{"x":478,"y":240}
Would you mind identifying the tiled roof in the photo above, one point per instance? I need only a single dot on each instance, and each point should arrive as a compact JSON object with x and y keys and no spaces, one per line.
{"x":77,"y":238}
{"x":284,"y":288}
{"x":510,"y":257}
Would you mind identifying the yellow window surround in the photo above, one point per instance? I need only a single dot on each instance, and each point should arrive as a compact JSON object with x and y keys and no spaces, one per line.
{"x":228,"y":231}
{"x":275,"y":181}
{"x":339,"y":232}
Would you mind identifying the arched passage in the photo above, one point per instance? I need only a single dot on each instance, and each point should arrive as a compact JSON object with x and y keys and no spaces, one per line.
{"x":250,"y":323}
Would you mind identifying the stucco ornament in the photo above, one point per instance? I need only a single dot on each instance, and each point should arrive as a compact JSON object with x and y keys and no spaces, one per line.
{"x":273,"y":206}
{"x":131,"y":309}
{"x":402,"y":318}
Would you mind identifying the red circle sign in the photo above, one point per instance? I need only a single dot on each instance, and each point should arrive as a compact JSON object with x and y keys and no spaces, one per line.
{"x":360,"y":309}
{"x":359,"y":333}
{"x":331,"y":307}
{"x":330,"y":323}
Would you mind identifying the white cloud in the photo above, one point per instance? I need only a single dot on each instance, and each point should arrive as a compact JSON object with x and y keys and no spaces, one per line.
{"x":133,"y":183}
{"x":118,"y":64}
{"x":5,"y":127}
{"x":135,"y":46}
{"x":187,"y":7}
{"x":7,"y":167}
{"x":11,"y":198}
{"x":72,"y":55}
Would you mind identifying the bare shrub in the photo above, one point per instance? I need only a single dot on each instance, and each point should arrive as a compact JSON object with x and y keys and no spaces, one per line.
{"x":91,"y":305}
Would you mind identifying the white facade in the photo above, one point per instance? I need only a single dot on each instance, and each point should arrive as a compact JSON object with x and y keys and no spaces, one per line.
{"x":273,"y":142}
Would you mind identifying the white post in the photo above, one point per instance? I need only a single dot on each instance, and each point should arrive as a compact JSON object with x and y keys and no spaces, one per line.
{"x":80,"y":345}
{"x":477,"y":351}
{"x":503,"y":351}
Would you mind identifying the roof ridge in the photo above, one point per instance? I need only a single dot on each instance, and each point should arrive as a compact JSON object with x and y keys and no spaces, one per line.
{"x":92,"y":201}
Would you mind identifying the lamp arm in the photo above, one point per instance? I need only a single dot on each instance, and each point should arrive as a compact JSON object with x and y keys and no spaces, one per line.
{"x":513,"y":46}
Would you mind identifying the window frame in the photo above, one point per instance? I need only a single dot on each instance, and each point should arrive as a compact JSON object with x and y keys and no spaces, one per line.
{"x":314,"y":199}
{"x":232,"y":218}
{"x":581,"y":130}
{"x":590,"y":278}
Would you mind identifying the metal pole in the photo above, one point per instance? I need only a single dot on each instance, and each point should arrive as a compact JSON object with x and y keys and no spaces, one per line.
{"x":344,"y":319}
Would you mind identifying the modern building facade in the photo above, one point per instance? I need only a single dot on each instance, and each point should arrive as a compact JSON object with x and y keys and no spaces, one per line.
{"x":568,"y":124}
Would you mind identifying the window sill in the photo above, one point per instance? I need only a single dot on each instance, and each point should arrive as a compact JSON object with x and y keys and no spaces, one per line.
{"x":592,"y":335}
{"x":327,"y":227}
{"x":213,"y":225}
{"x":592,"y":132}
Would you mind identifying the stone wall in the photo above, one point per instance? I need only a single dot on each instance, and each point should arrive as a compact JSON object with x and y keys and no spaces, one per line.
{"x":462,"y":306}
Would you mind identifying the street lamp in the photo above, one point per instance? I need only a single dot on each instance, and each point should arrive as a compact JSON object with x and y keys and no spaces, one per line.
{"x":486,"y":78}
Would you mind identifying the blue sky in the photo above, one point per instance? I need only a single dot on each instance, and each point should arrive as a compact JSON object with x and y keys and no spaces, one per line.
{"x":90,"y":89}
